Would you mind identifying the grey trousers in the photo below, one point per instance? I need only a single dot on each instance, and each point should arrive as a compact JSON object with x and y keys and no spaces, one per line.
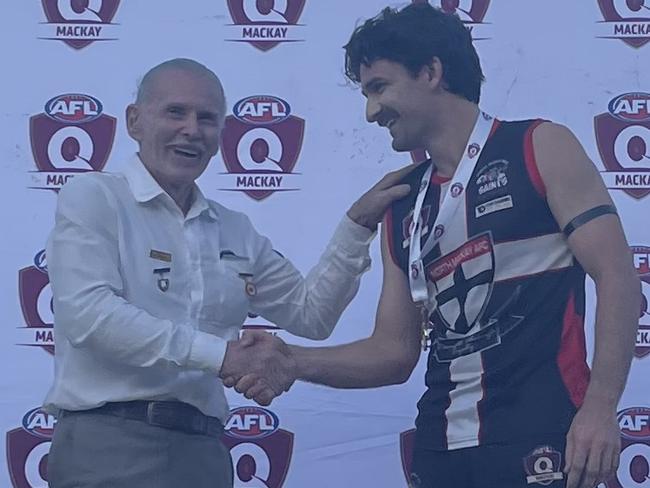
{"x":100,"y":451}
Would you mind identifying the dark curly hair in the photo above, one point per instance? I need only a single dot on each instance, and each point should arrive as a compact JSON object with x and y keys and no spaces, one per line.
{"x":412,"y":36}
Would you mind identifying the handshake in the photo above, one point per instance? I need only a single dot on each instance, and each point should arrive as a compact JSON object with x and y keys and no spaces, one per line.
{"x":260,"y":366}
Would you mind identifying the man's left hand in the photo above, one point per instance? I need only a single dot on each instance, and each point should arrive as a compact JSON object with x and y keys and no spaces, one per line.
{"x":593,"y":445}
{"x":371,"y":207}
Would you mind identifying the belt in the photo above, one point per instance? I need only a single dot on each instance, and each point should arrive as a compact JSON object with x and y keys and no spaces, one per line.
{"x":169,"y":415}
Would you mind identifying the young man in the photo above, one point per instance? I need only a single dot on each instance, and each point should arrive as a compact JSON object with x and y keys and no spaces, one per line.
{"x":491,"y":248}
{"x":151,"y":284}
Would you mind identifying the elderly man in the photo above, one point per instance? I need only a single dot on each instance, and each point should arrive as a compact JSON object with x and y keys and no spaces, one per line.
{"x":151,"y":284}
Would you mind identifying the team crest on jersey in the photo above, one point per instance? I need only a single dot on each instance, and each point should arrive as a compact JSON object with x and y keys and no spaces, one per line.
{"x":463,"y":282}
{"x":408,"y":225}
{"x":492,"y":176}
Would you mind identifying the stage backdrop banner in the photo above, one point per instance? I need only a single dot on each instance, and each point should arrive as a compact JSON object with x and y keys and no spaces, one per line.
{"x":296,"y":153}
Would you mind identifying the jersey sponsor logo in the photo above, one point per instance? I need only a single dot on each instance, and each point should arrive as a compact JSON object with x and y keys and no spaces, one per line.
{"x":462,"y":282}
{"x":492,"y":176}
{"x":641,"y":257}
{"x":542,"y":466}
{"x":261,"y":143}
{"x":501,"y":203}
{"x":623,"y":140}
{"x":634,"y":465}
{"x":261,"y":451}
{"x":79,"y":23}
{"x":27,"y":449}
{"x":471,"y":12}
{"x":627,"y":20}
{"x":264,"y":24}
{"x":73,"y":135}
{"x":36,"y":303}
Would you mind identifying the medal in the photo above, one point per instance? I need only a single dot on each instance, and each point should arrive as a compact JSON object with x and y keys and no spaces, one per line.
{"x":425,"y":340}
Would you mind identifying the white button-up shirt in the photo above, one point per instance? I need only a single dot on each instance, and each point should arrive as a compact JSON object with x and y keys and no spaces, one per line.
{"x":145,"y":298}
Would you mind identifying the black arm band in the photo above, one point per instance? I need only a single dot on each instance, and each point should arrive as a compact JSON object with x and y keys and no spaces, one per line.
{"x":585,"y":217}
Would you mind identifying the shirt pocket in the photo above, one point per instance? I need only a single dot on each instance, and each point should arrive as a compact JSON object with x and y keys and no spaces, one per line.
{"x":228,"y":287}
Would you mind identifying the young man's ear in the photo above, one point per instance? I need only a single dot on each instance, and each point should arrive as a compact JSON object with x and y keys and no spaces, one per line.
{"x":133,"y":121}
{"x":434,"y":72}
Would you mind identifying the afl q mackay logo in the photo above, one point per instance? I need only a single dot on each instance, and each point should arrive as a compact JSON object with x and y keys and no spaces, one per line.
{"x":27,"y":449}
{"x":79,"y":23}
{"x":627,"y":20}
{"x":37,"y":305}
{"x":641,"y":256}
{"x":623,"y":140}
{"x":260,"y":450}
{"x":265,"y":23}
{"x":471,"y":12}
{"x":73,"y":135}
{"x":260,"y":146}
{"x":634,"y":465}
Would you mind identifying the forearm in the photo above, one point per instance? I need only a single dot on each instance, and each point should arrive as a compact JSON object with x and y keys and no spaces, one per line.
{"x":108,"y":326}
{"x":618,"y":303}
{"x":362,"y":364}
{"x":311,"y":306}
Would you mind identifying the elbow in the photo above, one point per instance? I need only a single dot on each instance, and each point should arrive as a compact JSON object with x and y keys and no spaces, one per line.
{"x":319,"y":333}
{"x":403,"y":367}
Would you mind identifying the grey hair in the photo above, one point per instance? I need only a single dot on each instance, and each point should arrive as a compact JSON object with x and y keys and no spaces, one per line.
{"x":183,"y":64}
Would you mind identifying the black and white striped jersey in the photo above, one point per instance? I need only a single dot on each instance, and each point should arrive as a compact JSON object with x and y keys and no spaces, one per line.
{"x":508,"y":356}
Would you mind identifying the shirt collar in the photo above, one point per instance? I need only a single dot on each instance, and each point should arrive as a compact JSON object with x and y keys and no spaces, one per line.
{"x":145,"y":188}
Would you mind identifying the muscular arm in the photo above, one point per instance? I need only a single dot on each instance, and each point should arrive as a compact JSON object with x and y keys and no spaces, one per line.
{"x":388,"y":356}
{"x":574,"y":186}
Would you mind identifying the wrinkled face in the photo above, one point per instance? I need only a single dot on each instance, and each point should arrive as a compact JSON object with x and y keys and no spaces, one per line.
{"x":178,"y":125}
{"x":399,"y":101}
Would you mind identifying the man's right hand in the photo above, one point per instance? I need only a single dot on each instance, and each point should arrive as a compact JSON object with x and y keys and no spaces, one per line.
{"x":264,"y":361}
{"x":369,"y":210}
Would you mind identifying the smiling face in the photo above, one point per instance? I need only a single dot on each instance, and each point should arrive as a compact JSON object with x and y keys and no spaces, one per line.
{"x":177,"y":125}
{"x":400,"y":101}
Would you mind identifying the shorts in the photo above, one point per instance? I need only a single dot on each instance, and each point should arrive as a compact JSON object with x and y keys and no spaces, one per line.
{"x":527,"y":464}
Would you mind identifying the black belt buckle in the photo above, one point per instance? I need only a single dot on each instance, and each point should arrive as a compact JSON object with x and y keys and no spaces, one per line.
{"x":173,"y":415}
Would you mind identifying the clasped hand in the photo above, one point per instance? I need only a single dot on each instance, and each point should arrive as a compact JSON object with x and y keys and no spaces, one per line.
{"x":259,"y":365}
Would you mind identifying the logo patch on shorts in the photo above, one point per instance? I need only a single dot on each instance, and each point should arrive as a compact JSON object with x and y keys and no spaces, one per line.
{"x":542,"y":466}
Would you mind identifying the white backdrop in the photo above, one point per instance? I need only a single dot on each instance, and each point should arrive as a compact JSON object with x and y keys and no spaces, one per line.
{"x":565,"y":61}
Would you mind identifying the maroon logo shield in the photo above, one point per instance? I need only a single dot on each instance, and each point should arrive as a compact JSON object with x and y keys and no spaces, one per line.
{"x":406,"y":443}
{"x":28,"y":448}
{"x":642,"y":263}
{"x":265,"y":23}
{"x":71,"y":136}
{"x":260,"y":450}
{"x":634,"y":465}
{"x":471,"y":12}
{"x":260,"y":146}
{"x":623,"y":140}
{"x":36,"y":304}
{"x":78,"y":23}
{"x":627,"y":20}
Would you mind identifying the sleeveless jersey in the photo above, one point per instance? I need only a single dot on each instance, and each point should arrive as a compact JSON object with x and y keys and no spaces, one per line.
{"x":508,"y":357}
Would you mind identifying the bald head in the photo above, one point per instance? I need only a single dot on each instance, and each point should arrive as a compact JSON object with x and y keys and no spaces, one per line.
{"x":147,"y":86}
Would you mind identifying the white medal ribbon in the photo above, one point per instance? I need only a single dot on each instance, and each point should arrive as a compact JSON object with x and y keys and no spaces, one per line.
{"x":448,"y":206}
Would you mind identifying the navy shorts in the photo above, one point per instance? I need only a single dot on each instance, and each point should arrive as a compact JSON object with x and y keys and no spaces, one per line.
{"x":527,"y":464}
